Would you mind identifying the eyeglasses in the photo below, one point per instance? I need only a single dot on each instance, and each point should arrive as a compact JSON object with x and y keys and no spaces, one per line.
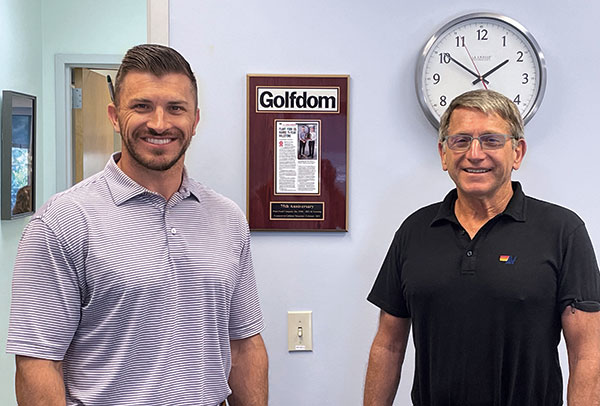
{"x":462,"y":142}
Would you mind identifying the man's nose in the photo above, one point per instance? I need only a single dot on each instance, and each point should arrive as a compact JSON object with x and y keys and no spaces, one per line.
{"x":475,"y":151}
{"x":158,"y":120}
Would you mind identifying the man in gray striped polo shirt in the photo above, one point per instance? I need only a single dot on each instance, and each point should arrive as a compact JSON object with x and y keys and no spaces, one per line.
{"x":135,"y":286}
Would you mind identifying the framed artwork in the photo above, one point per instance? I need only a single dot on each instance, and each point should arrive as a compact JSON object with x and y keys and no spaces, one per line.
{"x":18,"y":155}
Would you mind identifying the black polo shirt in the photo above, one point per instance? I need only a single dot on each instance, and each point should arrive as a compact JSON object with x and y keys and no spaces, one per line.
{"x":486,"y":312}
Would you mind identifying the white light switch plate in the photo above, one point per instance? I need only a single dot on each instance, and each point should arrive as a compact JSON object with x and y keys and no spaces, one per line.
{"x":300,"y":331}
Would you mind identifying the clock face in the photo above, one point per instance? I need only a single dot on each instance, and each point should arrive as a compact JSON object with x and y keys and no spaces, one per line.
{"x":481,"y":51}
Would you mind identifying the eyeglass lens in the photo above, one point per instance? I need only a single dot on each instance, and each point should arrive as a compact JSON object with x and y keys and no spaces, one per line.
{"x":462,"y":142}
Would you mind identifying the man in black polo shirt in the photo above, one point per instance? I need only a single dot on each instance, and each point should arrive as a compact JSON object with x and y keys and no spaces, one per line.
{"x":487,"y":279}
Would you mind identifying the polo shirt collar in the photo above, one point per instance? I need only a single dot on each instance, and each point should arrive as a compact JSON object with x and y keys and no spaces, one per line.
{"x":123,"y":188}
{"x":189,"y":187}
{"x":516,"y":208}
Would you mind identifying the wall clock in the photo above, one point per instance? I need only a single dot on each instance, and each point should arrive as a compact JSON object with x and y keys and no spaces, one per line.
{"x":477,"y":51}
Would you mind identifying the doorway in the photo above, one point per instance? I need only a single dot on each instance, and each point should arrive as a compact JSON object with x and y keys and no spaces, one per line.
{"x":65,"y":141}
{"x":93,"y":137}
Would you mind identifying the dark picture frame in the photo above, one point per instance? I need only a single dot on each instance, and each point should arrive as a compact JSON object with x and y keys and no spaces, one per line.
{"x":297,"y":152}
{"x":18,"y":158}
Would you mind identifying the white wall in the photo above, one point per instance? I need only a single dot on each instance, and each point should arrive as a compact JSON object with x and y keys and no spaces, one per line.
{"x":20,"y":70}
{"x":394,"y":167}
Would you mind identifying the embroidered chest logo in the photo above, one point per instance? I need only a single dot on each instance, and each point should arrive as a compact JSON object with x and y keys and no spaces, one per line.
{"x":507,"y":259}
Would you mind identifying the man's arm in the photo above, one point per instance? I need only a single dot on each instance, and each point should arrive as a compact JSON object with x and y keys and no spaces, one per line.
{"x":39,"y":382}
{"x":582,"y":336}
{"x":249,"y":376}
{"x":385,"y":360}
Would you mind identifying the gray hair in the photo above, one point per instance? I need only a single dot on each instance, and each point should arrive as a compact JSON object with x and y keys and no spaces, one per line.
{"x":486,"y":101}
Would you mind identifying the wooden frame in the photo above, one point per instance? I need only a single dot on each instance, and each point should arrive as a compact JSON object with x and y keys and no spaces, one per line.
{"x":297,"y":152}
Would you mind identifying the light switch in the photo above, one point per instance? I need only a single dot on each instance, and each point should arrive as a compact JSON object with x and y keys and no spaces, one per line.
{"x":300,"y":331}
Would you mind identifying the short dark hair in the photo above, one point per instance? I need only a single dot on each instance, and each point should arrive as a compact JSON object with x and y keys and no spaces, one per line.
{"x":486,"y":101}
{"x":156,"y":59}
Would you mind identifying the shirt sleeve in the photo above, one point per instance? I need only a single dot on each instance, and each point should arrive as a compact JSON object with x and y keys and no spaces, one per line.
{"x":245,"y":316}
{"x":45,"y":306}
{"x":579,"y":279}
{"x":387,"y":292}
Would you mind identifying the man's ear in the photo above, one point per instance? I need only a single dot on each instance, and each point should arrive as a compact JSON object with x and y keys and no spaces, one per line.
{"x":442,"y":152}
{"x":112,"y":116}
{"x":196,"y":121}
{"x":519,"y":152}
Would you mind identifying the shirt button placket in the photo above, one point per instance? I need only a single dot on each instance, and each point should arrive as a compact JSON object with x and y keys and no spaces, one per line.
{"x":468,"y":263}
{"x":173,"y":233}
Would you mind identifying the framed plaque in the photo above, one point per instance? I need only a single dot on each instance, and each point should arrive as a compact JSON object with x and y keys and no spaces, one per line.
{"x":297,"y":150}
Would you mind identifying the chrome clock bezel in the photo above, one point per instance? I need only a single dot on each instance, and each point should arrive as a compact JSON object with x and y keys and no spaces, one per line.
{"x":515,"y":25}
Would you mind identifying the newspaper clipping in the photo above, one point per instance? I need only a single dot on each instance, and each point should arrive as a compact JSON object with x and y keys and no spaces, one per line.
{"x":297,"y":157}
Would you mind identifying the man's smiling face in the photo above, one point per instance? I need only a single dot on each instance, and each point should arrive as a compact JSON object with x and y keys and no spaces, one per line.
{"x":476,"y":172}
{"x":156,"y":117}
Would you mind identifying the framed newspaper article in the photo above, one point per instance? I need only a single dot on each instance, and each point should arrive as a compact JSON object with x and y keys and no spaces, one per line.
{"x":297,"y":152}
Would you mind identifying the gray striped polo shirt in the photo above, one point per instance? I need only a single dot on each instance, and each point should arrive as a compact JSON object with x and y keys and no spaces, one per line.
{"x":138,"y":295}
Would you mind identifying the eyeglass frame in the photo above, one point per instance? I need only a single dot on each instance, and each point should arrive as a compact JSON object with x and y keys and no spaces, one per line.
{"x":471,"y":138}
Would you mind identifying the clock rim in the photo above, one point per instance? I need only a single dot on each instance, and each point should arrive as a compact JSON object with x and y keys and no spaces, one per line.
{"x":539,"y":56}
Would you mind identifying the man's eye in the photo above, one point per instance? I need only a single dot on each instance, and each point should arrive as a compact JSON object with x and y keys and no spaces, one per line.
{"x":461,"y":140}
{"x":141,"y":106}
{"x":492,"y":140}
{"x":177,"y":108}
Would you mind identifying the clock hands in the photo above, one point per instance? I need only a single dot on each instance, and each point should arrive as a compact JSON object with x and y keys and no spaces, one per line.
{"x":467,"y":69}
{"x":479,"y":77}
{"x":488,"y":73}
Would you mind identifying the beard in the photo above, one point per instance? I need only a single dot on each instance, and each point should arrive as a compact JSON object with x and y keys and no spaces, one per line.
{"x":158,"y":161}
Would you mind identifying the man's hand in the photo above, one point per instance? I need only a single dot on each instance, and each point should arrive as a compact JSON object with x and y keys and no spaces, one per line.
{"x":39,"y":382}
{"x":582,"y":336}
{"x":385,"y":360}
{"x":249,"y":376}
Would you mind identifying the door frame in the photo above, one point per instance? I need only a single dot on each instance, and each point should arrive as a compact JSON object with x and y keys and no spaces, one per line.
{"x":63,"y":64}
